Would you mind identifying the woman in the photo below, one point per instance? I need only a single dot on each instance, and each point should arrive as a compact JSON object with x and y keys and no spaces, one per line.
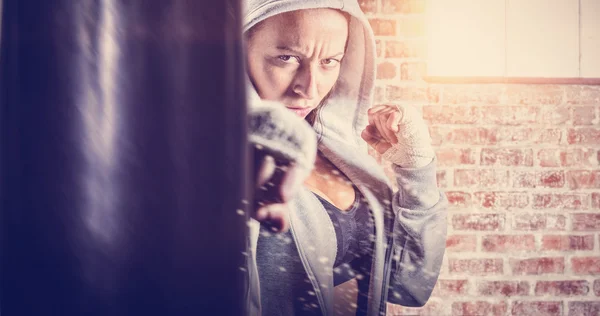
{"x":316,"y":58}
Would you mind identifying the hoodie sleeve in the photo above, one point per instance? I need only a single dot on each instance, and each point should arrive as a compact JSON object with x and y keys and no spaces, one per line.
{"x":419,"y":235}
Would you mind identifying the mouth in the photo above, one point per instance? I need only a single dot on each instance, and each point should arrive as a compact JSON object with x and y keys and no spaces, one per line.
{"x":301,"y":111}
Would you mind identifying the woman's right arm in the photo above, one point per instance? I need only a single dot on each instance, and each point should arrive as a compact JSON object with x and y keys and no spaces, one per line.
{"x":284,"y":150}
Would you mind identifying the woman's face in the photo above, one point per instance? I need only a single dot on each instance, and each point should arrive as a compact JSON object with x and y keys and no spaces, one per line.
{"x":294,"y":57}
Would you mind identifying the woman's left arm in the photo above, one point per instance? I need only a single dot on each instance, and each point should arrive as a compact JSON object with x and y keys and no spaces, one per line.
{"x":419,"y":235}
{"x":401,"y":136}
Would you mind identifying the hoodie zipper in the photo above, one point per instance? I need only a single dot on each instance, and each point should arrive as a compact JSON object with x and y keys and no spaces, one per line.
{"x":386,"y":276}
{"x":383,"y":296}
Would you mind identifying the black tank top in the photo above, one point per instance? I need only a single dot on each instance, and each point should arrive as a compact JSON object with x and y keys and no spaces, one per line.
{"x":354,"y":229}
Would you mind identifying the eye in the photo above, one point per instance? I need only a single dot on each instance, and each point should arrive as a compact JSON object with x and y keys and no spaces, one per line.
{"x":330,"y":62}
{"x":288,"y":59}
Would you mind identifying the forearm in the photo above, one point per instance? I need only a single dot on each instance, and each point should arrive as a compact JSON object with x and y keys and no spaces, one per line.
{"x":419,"y":235}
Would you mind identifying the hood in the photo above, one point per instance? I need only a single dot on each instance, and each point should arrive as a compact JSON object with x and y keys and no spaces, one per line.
{"x":344,"y":114}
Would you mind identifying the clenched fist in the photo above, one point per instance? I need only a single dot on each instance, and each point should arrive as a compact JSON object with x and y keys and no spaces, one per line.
{"x":284,"y":151}
{"x":400,"y":135}
{"x":277,"y":180}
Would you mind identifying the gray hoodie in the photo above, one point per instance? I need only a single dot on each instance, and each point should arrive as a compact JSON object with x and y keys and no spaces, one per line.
{"x":410,"y":224}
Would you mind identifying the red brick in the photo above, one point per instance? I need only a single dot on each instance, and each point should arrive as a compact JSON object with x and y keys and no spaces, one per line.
{"x":378,"y":50}
{"x":501,"y":200}
{"x":459,"y":243}
{"x":596,"y":200}
{"x":562,"y":201}
{"x":450,"y":287}
{"x":509,"y":115}
{"x":466,"y":178}
{"x":368,"y":6}
{"x":478,"y":308}
{"x":383,"y":27}
{"x":570,"y":157}
{"x":484,"y":222}
{"x":441,"y":179}
{"x":450,"y":114}
{"x":546,"y":136}
{"x":590,"y":94}
{"x":503,"y":288}
{"x":508,"y":243}
{"x":455,"y":156}
{"x":597,"y":287}
{"x":506,"y":157}
{"x":476,"y":266}
{"x":534,"y":94}
{"x":462,"y":135}
{"x":485,"y":136}
{"x":493,"y":178}
{"x":586,"y":265}
{"x":433,"y":307}
{"x":509,"y":135}
{"x":586,"y":222}
{"x":412,"y":27}
{"x":379,"y":94}
{"x":386,"y":70}
{"x":567,"y":243}
{"x":582,"y":94}
{"x":556,"y":222}
{"x":403,"y":6}
{"x":588,"y":157}
{"x":436,"y":136}
{"x":551,"y":179}
{"x":539,"y":308}
{"x":554,"y":115}
{"x":481,"y":178}
{"x":524,"y":179}
{"x":542,"y":179}
{"x":533,"y":222}
{"x":583,"y":136}
{"x":412,"y":70}
{"x":562,"y":288}
{"x":583,"y":179}
{"x":512,"y":135}
{"x":549,"y":157}
{"x":411,"y":93}
{"x":405,"y":49}
{"x":458,"y":199}
{"x":584,"y":115}
{"x":529,"y":222}
{"x":584,"y":308}
{"x":472,"y":94}
{"x":537,"y":266}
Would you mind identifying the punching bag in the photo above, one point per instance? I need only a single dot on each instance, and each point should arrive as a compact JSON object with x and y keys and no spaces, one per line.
{"x":123,"y":158}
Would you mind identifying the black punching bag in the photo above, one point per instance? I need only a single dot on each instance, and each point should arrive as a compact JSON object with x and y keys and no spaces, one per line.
{"x":123,"y":158}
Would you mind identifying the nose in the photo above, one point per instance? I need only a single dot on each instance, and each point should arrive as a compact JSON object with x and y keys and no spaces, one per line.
{"x":306,"y":83}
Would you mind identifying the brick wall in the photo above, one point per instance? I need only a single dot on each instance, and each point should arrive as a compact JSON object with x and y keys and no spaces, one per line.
{"x":520,"y":166}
